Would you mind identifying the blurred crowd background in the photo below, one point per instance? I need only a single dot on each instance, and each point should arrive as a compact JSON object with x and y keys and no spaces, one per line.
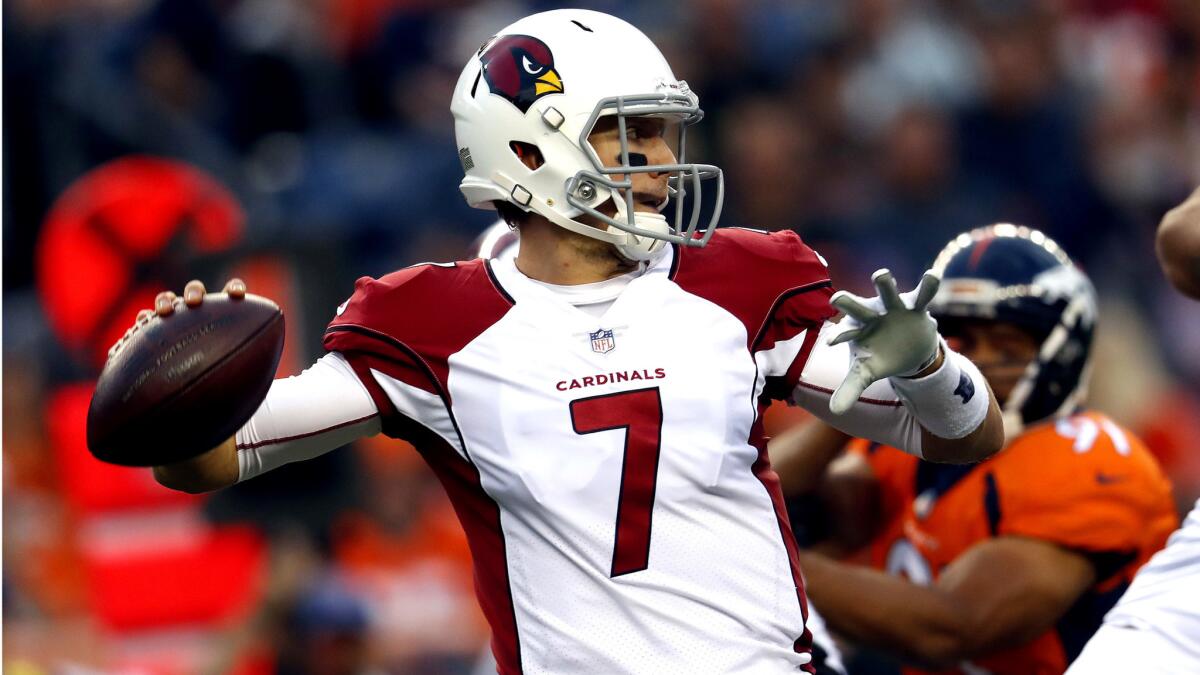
{"x":304,"y":143}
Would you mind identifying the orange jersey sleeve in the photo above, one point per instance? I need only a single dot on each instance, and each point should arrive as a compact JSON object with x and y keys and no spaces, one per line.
{"x":1085,"y":483}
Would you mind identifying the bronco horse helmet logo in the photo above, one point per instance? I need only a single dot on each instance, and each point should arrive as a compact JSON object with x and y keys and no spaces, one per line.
{"x":519,"y":68}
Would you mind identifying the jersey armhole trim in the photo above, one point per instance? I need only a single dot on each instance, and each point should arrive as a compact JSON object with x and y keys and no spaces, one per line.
{"x":440,"y":388}
{"x":784,"y":297}
{"x":794,"y":371}
{"x":861,"y":399}
{"x":487,"y":266}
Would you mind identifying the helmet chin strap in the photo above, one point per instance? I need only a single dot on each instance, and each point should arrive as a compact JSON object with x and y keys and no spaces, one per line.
{"x":636,"y":247}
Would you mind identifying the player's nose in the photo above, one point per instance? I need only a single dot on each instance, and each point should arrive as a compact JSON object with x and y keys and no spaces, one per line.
{"x":660,"y":152}
{"x":981,"y":349}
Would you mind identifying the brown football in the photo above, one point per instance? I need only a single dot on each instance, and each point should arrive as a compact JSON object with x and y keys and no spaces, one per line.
{"x":182,"y":384}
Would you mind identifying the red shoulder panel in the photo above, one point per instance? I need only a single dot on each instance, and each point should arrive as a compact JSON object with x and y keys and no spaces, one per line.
{"x":417,"y":317}
{"x":407,"y":324}
{"x":774,"y":283}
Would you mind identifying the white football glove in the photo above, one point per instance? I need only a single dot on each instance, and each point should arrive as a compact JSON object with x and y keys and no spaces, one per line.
{"x":890,"y":335}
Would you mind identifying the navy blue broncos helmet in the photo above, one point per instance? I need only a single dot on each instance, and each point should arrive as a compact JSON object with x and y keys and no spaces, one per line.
{"x":1016,"y":275}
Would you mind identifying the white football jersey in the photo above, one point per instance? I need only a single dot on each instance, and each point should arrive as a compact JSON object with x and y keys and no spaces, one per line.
{"x":610,"y":471}
{"x":1165,"y":594}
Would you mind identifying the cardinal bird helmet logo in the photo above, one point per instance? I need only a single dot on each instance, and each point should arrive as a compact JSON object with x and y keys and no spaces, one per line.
{"x":520,"y":68}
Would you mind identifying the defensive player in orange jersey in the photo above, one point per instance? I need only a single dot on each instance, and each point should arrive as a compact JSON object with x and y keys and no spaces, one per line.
{"x":1006,"y":566}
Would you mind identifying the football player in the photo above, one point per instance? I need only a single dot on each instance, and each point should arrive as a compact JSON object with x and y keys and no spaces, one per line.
{"x":499,"y":242}
{"x":1155,"y":627}
{"x":593,"y":405}
{"x":1006,"y":566}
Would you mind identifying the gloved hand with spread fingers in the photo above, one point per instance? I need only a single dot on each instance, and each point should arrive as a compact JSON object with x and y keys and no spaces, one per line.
{"x":891,"y":335}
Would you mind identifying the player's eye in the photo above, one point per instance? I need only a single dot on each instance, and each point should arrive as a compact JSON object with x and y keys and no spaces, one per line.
{"x":643,"y":130}
{"x":530,"y":66}
{"x":1011,"y":352}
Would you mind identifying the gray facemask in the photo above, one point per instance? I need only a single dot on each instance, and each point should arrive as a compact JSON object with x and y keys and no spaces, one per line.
{"x":685,"y":179}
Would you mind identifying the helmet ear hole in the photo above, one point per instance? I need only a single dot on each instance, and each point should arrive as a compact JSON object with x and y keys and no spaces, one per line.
{"x":529,"y":154}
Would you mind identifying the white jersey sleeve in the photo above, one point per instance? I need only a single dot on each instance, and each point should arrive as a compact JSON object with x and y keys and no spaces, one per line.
{"x":306,"y":415}
{"x":879,"y":415}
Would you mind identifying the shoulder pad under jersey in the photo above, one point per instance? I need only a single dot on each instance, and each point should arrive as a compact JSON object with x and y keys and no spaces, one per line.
{"x":766,"y":279}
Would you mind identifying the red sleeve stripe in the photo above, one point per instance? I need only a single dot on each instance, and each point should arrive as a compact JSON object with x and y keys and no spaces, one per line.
{"x":797,"y":368}
{"x":861,"y":399}
{"x":309,"y":434}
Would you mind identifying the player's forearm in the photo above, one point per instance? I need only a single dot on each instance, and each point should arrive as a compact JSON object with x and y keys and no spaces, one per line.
{"x":213,"y":470}
{"x":852,"y":504}
{"x":1178,"y":245}
{"x":976,"y":446}
{"x":801,"y":454}
{"x":960,"y":420}
{"x":985,"y":441}
{"x":919,"y":623}
{"x":306,"y":415}
{"x":946,"y":413}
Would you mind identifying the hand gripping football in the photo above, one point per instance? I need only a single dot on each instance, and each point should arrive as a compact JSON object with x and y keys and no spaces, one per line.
{"x":180,"y":385}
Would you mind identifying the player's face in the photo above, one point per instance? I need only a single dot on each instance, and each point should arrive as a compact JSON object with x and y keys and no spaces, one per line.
{"x":647,"y":136}
{"x":1002,"y":351}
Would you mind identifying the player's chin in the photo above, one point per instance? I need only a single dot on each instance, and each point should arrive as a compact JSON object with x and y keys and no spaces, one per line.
{"x":622,"y":263}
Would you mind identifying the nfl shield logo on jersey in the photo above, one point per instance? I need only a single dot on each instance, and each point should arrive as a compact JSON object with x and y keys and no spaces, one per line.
{"x":602,"y":341}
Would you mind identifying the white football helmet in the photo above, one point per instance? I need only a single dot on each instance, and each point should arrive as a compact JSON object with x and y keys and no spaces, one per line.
{"x":545,"y":81}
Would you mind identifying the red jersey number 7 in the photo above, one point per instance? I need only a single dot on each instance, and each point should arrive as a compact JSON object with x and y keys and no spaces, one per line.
{"x":639,"y":413}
